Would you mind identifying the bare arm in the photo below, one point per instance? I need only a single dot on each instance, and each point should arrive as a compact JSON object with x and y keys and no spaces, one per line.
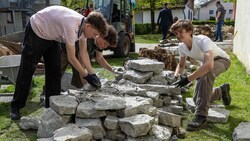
{"x":102,"y":61}
{"x":181,"y":66}
{"x":73,"y":60}
{"x":205,"y":67}
{"x":84,"y":56}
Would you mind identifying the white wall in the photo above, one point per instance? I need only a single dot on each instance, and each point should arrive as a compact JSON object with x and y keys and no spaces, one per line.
{"x":242,"y":39}
{"x":204,"y":11}
{"x":145,"y":16}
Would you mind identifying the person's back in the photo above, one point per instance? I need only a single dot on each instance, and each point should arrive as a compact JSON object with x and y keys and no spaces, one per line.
{"x":166,"y":17}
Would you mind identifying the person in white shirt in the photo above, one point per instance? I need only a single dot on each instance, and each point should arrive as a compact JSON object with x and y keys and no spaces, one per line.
{"x":214,"y":62}
{"x":43,"y":33}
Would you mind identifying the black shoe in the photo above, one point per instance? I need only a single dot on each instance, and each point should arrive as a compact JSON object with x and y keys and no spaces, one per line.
{"x":15,"y":114}
{"x":198,"y":123}
{"x":226,"y":98}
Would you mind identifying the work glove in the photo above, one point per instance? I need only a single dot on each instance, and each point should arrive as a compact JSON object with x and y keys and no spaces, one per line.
{"x":93,"y":80}
{"x":182,"y":82}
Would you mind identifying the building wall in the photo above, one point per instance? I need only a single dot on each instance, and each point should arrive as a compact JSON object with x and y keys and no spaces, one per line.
{"x":145,"y":16}
{"x":204,"y":11}
{"x":241,"y":42}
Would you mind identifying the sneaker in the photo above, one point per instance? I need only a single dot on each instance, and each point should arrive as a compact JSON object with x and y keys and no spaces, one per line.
{"x":198,"y":123}
{"x":15,"y":114}
{"x":226,"y":98}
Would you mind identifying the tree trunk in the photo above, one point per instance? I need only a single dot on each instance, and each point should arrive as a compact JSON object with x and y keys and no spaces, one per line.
{"x":152,"y":5}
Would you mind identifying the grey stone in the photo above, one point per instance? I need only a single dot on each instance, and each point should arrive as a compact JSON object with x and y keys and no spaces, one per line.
{"x":72,"y":132}
{"x":111,"y":103}
{"x":170,"y":119}
{"x":218,"y":115}
{"x":137,"y":77}
{"x":146,"y":65}
{"x":63,"y":104}
{"x":137,"y":125}
{"x":29,"y":123}
{"x":95,"y":125}
{"x":86,"y":110}
{"x":161,"y":132}
{"x":50,"y":121}
{"x":241,"y":132}
{"x":111,"y":122}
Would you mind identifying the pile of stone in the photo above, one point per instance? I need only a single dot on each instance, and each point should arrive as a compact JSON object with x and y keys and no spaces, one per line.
{"x":160,"y":54}
{"x":140,"y":105}
{"x":209,"y":30}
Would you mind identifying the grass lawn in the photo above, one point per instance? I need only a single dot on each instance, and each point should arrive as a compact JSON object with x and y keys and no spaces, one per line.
{"x":239,"y":108}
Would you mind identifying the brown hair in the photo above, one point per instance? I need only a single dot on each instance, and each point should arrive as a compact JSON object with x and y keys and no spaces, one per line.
{"x":112,"y":36}
{"x":182,"y":24}
{"x":98,"y":22}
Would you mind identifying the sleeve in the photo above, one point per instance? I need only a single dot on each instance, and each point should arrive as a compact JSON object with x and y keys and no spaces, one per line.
{"x":181,"y":52}
{"x":206,"y":45}
{"x":70,"y":36}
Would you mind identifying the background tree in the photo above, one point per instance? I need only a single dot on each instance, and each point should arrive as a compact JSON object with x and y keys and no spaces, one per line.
{"x":73,"y":4}
{"x":157,"y":5}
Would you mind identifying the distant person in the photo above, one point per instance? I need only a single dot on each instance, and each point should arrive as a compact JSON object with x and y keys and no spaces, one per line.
{"x":165,"y":20}
{"x":220,"y":16}
{"x":43,"y":33}
{"x":214,"y":62}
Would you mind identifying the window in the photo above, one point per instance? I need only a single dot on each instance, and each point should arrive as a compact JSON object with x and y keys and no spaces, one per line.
{"x":230,"y":11}
{"x":211,"y":12}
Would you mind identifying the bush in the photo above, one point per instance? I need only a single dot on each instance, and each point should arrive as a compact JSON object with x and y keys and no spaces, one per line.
{"x":142,"y":29}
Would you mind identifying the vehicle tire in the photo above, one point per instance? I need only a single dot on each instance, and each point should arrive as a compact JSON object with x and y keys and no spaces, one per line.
{"x":123,"y":48}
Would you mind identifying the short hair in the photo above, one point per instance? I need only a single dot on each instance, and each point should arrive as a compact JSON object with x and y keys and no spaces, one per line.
{"x":112,"y":36}
{"x":218,"y":2}
{"x":98,"y":22}
{"x":182,"y":24}
{"x":165,"y":4}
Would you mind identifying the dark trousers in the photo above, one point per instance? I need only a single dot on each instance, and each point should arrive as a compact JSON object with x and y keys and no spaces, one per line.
{"x":164,"y":29}
{"x":35,"y":48}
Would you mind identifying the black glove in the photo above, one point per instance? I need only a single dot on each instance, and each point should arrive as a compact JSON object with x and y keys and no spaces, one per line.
{"x":93,"y":80}
{"x":182,"y":82}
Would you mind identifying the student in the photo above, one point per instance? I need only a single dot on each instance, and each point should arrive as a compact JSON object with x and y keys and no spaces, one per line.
{"x":214,"y":62}
{"x":95,"y":48}
{"x":45,"y":29}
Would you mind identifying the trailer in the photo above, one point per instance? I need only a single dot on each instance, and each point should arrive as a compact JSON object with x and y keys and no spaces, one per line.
{"x":9,"y":66}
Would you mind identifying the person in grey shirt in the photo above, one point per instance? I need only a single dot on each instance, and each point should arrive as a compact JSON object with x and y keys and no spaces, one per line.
{"x":220,"y":15}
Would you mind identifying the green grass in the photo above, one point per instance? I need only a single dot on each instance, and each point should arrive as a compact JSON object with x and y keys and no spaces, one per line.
{"x":148,"y":39}
{"x":239,"y":108}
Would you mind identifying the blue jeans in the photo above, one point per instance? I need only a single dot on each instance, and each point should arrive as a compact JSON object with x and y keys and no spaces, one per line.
{"x":218,"y":30}
{"x":34,"y":48}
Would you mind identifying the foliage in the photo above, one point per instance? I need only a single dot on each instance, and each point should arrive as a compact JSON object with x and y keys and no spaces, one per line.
{"x":73,"y":4}
{"x":146,"y":4}
{"x":212,"y":22}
